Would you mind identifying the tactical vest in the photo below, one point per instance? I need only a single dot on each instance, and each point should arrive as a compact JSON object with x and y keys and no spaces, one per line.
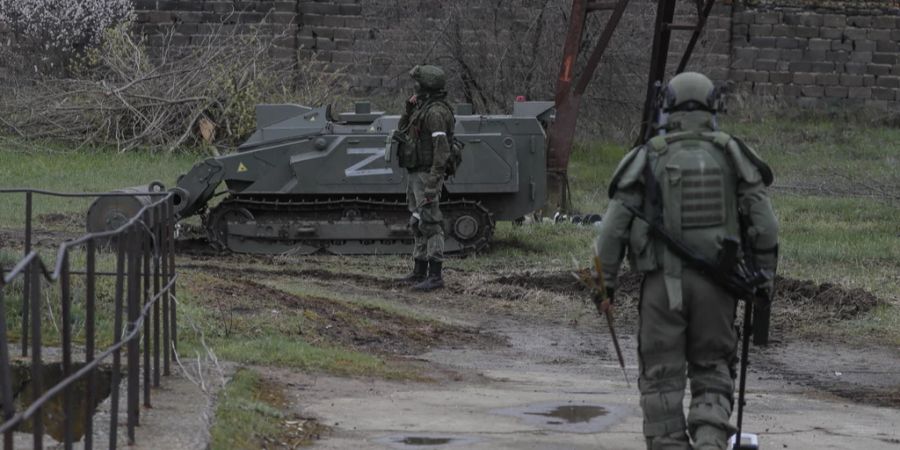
{"x":420,"y":153}
{"x":698,"y":197}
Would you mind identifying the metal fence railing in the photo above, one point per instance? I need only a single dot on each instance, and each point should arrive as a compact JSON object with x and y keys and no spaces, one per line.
{"x":144,"y":312}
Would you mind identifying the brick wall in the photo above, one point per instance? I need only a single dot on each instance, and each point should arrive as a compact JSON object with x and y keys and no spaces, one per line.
{"x":824,"y":57}
{"x":190,"y":22}
{"x":842,"y":53}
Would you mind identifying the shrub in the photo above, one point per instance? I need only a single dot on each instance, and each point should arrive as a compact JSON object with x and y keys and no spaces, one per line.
{"x":123,"y":95}
{"x":49,"y":32}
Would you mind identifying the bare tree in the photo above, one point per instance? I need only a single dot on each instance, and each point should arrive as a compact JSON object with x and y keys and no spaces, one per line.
{"x":174,"y":97}
{"x":498,"y":50}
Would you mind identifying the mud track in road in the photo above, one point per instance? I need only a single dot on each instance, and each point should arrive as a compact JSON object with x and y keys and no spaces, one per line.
{"x":865,"y":375}
{"x":357,"y":326}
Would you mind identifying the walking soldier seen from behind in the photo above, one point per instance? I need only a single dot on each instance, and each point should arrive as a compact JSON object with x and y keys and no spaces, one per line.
{"x":689,"y":206}
{"x":426,"y":129}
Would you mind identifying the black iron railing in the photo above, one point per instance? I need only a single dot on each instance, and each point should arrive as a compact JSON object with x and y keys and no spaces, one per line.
{"x":144,"y":310}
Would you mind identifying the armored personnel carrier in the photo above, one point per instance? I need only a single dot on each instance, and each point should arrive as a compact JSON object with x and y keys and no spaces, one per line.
{"x":306,"y":182}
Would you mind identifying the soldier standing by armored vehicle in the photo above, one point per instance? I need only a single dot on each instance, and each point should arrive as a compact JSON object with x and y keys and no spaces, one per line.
{"x":427,"y":128}
{"x":703,"y":190}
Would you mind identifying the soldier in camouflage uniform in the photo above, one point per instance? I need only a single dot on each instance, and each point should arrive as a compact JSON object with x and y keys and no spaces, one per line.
{"x":701,"y":185}
{"x":428,"y":124}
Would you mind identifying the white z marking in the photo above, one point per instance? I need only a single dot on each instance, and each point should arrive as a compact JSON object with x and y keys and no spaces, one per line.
{"x":357,"y":170}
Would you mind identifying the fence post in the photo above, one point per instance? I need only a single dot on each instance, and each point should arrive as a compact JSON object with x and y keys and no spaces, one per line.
{"x":145,"y":231}
{"x":66,"y":313}
{"x":26,"y":290}
{"x":157,"y":240}
{"x":89,"y":332}
{"x":174,"y":303}
{"x":5,"y":376}
{"x":117,"y":337}
{"x":134,"y":361}
{"x":37,"y":369}
{"x":164,"y":250}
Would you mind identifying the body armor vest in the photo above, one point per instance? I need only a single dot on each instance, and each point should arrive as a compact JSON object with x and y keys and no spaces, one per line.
{"x":698,"y":187}
{"x":421,"y":156}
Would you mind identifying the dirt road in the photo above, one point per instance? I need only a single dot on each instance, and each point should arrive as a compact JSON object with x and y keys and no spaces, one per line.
{"x":547,"y":378}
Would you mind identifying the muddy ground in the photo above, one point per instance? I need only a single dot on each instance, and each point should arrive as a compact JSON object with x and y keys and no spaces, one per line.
{"x":495,"y":343}
{"x":498,"y":340}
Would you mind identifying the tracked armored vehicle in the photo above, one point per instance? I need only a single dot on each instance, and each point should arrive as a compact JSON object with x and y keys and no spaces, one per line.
{"x":307,"y":182}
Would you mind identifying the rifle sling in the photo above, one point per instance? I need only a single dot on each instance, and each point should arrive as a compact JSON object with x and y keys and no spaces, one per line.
{"x":737,"y":287}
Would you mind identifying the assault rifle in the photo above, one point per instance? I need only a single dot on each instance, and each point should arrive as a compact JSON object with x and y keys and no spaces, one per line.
{"x":601,"y":300}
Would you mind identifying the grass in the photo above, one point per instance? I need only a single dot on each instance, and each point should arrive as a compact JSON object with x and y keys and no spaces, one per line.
{"x":244,"y":414}
{"x":266,"y":332}
{"x":249,"y":415}
{"x":284,"y":351}
{"x":839,"y":153}
{"x":50,"y":323}
{"x":850,"y":238}
{"x":49,"y":168}
{"x":853,"y":242}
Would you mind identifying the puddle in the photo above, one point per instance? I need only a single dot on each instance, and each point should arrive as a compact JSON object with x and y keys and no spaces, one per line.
{"x":569,"y":417}
{"x":425,"y":441}
{"x":572,"y":413}
{"x":417,"y":440}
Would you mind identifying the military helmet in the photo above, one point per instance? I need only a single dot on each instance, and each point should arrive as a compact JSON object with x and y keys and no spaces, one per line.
{"x":430,"y":78}
{"x":690,"y":91}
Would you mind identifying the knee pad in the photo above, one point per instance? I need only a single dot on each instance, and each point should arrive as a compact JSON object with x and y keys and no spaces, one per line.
{"x":711,"y":377}
{"x":711,"y":409}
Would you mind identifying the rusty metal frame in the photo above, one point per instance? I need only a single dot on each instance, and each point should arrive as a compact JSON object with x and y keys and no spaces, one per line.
{"x":665,"y":14}
{"x":147,"y":240}
{"x":567,"y":99}
{"x":568,"y":95}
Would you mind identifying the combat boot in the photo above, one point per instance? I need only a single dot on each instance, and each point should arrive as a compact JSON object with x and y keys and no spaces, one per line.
{"x":708,"y":437}
{"x":434,"y":279}
{"x":418,"y":273}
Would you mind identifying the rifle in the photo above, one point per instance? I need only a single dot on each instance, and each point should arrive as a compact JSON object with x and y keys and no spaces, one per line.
{"x":601,"y":300}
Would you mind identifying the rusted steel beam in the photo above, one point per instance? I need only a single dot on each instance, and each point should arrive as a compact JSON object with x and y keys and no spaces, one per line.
{"x":602,"y":44}
{"x":665,"y":11}
{"x":703,"y":15}
{"x":570,"y":49}
{"x":562,"y":131}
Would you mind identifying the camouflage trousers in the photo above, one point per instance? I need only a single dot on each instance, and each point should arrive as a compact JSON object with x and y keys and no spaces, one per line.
{"x":427,"y":222}
{"x":697,"y":343}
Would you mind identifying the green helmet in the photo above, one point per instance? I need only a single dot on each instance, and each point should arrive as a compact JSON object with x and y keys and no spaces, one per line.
{"x":430,"y":78}
{"x":690,"y":91}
